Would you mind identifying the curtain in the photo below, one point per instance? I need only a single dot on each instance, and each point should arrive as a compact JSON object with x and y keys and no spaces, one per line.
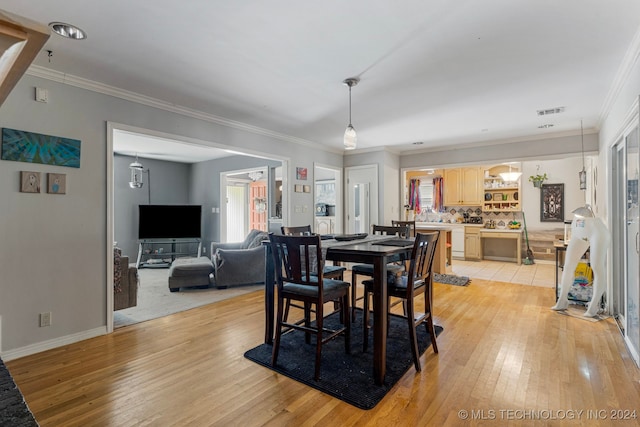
{"x":414,"y":195}
{"x":438,"y":201}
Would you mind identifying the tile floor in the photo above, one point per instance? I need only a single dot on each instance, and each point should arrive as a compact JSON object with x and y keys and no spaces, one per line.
{"x":537,"y":274}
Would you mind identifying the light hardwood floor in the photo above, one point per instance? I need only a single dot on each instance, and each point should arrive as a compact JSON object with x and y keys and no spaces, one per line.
{"x":503,"y":354}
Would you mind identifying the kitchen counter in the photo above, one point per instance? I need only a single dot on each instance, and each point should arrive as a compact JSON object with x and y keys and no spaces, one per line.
{"x":502,"y":230}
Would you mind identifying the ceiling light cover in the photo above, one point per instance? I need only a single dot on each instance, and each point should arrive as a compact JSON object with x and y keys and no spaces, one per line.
{"x":510,"y":176}
{"x":67,"y":30}
{"x":136,"y":174}
{"x":350,"y":137}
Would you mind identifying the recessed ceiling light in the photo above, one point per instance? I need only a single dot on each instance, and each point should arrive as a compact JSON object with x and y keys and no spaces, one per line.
{"x":67,"y":30}
{"x":545,"y":126}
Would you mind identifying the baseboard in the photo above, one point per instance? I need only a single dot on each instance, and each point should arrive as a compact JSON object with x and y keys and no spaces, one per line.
{"x":54,"y":343}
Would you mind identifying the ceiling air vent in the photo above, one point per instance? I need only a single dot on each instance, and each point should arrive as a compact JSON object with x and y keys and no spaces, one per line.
{"x":550,"y":111}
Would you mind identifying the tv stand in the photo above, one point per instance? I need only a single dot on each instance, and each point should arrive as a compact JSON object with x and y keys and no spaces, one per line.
{"x":152,"y":253}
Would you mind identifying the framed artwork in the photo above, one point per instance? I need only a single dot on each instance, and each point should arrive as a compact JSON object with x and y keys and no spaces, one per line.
{"x":31,"y":147}
{"x":552,"y":203}
{"x":306,"y":188}
{"x":56,"y":183}
{"x":301,"y":174}
{"x":29,"y":182}
{"x":298,"y":188}
{"x":497,"y":196}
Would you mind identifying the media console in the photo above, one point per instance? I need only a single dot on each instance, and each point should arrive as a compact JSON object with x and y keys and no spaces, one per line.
{"x":152,"y":253}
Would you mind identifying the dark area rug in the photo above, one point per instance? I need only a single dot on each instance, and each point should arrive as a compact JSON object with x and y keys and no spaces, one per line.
{"x":348,"y":377}
{"x":13,"y":409}
{"x":451,"y":279}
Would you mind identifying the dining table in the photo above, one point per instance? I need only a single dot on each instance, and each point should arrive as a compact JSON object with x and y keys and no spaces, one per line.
{"x":377,"y":250}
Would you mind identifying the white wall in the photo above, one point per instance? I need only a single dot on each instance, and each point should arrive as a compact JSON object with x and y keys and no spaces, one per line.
{"x":54,"y":255}
{"x":561,"y":171}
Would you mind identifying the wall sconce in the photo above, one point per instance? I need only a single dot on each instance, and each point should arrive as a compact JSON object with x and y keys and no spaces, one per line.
{"x":136,"y":176}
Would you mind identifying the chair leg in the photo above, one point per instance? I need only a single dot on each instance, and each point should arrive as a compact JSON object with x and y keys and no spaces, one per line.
{"x":429,"y":322}
{"x":354,"y":291}
{"x":319,"y":324}
{"x":365,"y":322}
{"x":276,"y":341}
{"x":347,"y":325}
{"x":307,"y":321}
{"x":413,"y":338}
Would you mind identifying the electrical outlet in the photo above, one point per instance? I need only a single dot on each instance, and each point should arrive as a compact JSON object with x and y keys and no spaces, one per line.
{"x":45,"y":319}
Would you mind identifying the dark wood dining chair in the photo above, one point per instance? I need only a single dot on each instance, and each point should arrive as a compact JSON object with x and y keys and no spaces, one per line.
{"x":410,"y":224}
{"x":295,"y":257}
{"x":329,"y":271}
{"x":393,"y":269}
{"x":419,"y":280}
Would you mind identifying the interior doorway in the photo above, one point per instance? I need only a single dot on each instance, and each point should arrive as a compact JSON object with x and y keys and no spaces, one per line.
{"x":361,"y":190}
{"x":246,"y":203}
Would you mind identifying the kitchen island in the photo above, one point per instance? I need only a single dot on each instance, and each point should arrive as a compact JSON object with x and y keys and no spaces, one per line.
{"x":442,"y":259}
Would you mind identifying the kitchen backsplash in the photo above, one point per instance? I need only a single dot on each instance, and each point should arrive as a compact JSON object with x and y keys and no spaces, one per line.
{"x":455,"y":214}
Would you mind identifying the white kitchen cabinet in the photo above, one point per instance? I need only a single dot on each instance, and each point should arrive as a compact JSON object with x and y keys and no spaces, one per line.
{"x":325,"y":224}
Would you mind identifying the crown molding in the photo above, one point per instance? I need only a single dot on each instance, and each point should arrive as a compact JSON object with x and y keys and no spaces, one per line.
{"x":622,"y":76}
{"x":82,"y":83}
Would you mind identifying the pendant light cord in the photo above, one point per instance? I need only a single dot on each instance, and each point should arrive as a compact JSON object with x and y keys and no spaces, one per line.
{"x":350,"y":105}
{"x":582,"y":143}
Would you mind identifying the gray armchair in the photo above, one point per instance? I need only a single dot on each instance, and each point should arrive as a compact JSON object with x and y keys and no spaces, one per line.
{"x":240,"y":263}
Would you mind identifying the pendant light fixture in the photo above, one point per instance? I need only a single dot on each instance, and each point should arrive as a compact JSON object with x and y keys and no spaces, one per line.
{"x":582,"y":175}
{"x":350,"y":137}
{"x":510,"y":176}
{"x":136,"y":174}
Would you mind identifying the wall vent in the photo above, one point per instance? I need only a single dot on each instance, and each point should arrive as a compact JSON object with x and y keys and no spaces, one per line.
{"x":550,"y":111}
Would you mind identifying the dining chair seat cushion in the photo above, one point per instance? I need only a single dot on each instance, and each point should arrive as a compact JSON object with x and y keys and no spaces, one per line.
{"x":367,"y":269}
{"x":332,"y":269}
{"x":395,"y":284}
{"x":333,"y":289}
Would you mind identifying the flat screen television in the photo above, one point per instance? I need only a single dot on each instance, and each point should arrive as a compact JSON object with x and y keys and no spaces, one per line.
{"x":169,"y":221}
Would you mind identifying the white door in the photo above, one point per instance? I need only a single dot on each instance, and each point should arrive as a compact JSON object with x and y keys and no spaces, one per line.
{"x":362,"y":198}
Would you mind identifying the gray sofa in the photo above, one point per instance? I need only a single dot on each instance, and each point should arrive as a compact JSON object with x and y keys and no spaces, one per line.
{"x":240,"y":263}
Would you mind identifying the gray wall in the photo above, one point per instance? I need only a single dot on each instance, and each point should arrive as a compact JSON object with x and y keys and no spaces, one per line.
{"x":169,"y":186}
{"x":205,"y":188}
{"x":54,"y":257}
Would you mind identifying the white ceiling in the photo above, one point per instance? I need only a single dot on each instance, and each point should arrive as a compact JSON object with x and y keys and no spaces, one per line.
{"x":440,"y":72}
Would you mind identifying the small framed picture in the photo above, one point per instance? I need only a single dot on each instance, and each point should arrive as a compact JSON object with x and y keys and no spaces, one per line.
{"x":29,"y":182}
{"x":306,"y":188}
{"x":301,"y":174}
{"x":497,"y":196}
{"x":298,"y":188}
{"x":56,"y":183}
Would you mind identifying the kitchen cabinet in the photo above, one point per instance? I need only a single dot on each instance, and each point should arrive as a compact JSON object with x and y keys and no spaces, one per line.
{"x":325,"y":225}
{"x":472,"y":243}
{"x":463,"y":186}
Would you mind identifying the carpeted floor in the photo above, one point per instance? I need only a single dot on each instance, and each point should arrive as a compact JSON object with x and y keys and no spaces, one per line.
{"x":155,"y":300}
{"x":348,"y":377}
{"x":451,"y":279}
{"x":14,"y":411}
